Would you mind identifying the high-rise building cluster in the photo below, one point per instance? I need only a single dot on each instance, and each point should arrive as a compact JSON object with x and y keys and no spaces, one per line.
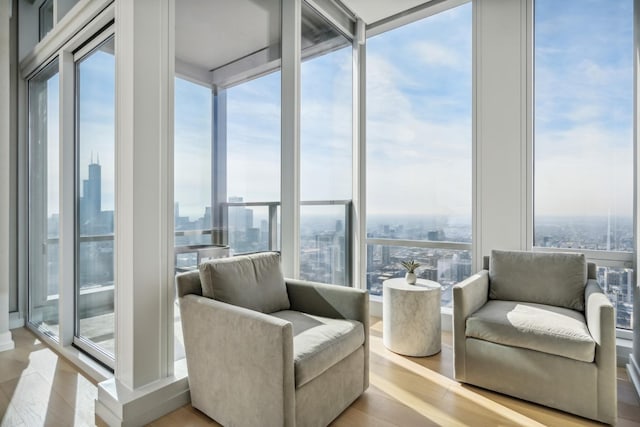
{"x":325,"y":246}
{"x":445,"y":266}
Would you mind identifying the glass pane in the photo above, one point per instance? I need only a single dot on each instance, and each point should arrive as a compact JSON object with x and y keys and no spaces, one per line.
{"x":445,"y":266}
{"x":227,"y":130}
{"x":44,"y":199}
{"x":324,"y":244}
{"x":249,"y":227}
{"x":253,"y":114}
{"x":419,"y":128}
{"x":583,"y":181}
{"x":418,"y":227}
{"x":326,"y":111}
{"x":192,"y":163}
{"x":419,"y":148}
{"x":584,"y":125}
{"x":253,"y":140}
{"x":45,"y":18}
{"x":325,"y":149}
{"x":619,"y":284}
{"x":95,"y":77}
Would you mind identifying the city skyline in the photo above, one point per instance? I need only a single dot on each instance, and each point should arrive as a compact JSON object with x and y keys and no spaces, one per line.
{"x":323,"y":243}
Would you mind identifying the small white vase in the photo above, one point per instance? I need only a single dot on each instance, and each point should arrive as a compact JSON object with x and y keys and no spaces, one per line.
{"x":410,"y":278}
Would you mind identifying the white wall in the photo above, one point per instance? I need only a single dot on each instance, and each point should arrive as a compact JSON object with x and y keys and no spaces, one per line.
{"x":501,"y":98}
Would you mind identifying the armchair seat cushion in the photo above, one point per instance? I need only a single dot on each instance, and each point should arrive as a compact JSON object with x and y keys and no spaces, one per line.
{"x":548,"y":329}
{"x":320,"y":342}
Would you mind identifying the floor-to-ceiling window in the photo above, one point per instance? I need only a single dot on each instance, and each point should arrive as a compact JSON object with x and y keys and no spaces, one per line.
{"x":227,"y":132}
{"x":325,"y":151}
{"x":192,"y":159}
{"x":44,"y":199}
{"x":252,"y":206}
{"x":192,"y":167}
{"x":95,"y":188}
{"x":419,"y":149}
{"x":583,"y":138}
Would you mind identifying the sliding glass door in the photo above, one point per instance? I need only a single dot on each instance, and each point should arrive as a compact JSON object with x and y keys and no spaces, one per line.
{"x":44,"y":200}
{"x":95,"y":149}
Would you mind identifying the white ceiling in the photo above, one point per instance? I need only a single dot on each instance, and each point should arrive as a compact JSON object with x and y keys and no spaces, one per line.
{"x":371,"y":11}
{"x":212,"y":33}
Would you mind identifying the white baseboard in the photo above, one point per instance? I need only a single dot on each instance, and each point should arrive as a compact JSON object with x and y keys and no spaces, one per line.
{"x":375,"y":306}
{"x":16,"y":320}
{"x":634,"y":373}
{"x":118,"y":406}
{"x":6,"y":341}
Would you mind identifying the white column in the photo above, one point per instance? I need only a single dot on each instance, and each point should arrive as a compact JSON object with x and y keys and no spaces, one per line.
{"x":501,"y":127}
{"x":290,"y":163}
{"x":6,"y":342}
{"x":144,"y":386}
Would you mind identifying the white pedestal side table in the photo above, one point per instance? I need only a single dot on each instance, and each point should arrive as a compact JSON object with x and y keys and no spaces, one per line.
{"x":411,"y":317}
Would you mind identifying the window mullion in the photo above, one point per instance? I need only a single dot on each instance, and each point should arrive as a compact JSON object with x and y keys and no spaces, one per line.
{"x":66,"y":275}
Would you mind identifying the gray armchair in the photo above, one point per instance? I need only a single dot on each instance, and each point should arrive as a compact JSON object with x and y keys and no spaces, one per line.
{"x":538,"y":327}
{"x":265,"y":351}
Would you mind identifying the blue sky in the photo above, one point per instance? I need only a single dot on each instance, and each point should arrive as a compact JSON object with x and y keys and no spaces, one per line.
{"x":410,"y":95}
{"x":418,"y":119}
{"x":96,"y":113}
{"x":192,"y":149}
{"x":253,"y":139}
{"x":583,"y":105}
{"x":253,"y":136}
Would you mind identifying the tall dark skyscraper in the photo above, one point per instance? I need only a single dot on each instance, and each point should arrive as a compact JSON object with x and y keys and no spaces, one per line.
{"x":91,"y":191}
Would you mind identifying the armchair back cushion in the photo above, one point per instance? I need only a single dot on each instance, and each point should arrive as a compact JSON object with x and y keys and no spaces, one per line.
{"x":557,"y":279}
{"x":251,"y":281}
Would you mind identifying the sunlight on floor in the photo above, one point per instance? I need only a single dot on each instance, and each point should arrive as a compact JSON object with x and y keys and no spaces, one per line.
{"x":440,"y":383}
{"x":38,"y":387}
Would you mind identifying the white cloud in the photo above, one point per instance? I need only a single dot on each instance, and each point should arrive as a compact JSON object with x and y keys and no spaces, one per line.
{"x":438,"y":54}
{"x":415,"y":164}
{"x":583,"y":171}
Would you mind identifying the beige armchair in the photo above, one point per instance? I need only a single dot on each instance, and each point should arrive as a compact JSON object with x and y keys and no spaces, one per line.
{"x":265,"y":351}
{"x":537,"y":326}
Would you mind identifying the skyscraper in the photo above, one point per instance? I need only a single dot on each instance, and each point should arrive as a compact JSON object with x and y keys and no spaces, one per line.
{"x":91,"y":192}
{"x":91,"y":201}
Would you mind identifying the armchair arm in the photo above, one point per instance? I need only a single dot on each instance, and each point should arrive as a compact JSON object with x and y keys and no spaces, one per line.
{"x":468,"y":296}
{"x":337,"y":302}
{"x":601,"y":321}
{"x":240,"y":363}
{"x":599,"y":314}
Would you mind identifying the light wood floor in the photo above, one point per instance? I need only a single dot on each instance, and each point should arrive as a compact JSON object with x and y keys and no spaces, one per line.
{"x":37,"y":387}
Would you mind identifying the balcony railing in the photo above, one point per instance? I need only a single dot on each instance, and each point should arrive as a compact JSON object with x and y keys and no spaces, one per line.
{"x":325,"y":252}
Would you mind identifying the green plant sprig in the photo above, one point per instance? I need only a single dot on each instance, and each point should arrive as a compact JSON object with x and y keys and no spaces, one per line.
{"x":411,"y":266}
